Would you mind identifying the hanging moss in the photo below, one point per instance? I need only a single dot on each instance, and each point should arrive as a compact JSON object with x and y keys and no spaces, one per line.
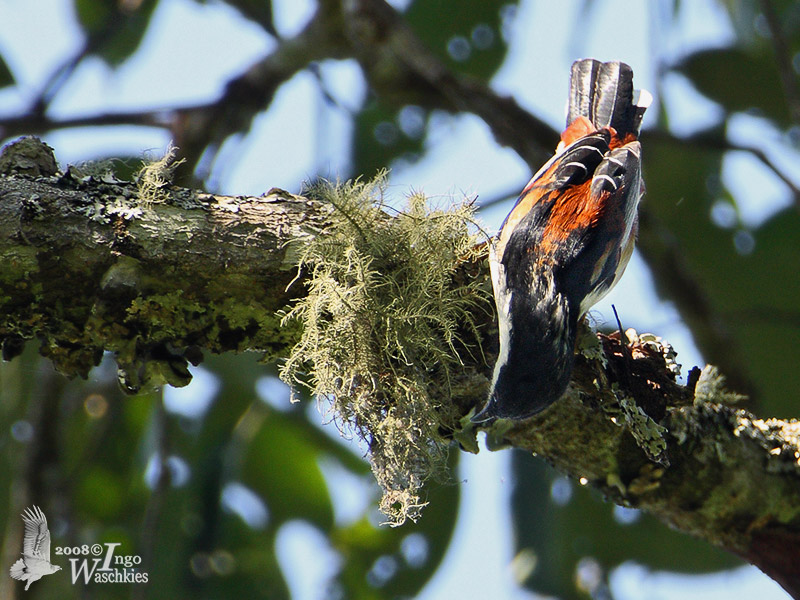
{"x":155,"y":176}
{"x":383,"y":325}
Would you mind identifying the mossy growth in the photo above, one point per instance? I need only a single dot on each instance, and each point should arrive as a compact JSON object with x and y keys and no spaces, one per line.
{"x":710,"y":387}
{"x":155,"y":176}
{"x":383,"y":327}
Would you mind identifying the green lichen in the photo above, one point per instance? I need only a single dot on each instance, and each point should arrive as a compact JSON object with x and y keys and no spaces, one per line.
{"x":170,"y":313}
{"x":29,"y":156}
{"x":648,"y":434}
{"x":589,"y":345}
{"x":711,"y":388}
{"x":18,"y":263}
{"x":383,"y":325}
{"x":779,"y":438}
{"x":154,"y":177}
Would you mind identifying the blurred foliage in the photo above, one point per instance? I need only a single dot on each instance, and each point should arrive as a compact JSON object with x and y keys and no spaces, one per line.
{"x":746,"y":271}
{"x":110,"y":469}
{"x":6,"y":76}
{"x":168,"y":487}
{"x":380,"y":140}
{"x":470,"y":40}
{"x":114,"y":28}
{"x":258,"y":11}
{"x":560,"y":525}
{"x":710,"y":72}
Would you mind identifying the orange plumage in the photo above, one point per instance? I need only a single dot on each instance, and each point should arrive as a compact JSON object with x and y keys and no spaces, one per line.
{"x":567,"y":240}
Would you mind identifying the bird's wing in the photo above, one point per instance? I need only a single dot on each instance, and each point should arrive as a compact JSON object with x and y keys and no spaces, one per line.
{"x":576,"y":215}
{"x":37,"y":535}
{"x":550,"y":206}
{"x":617,"y":186}
{"x":572,"y":166}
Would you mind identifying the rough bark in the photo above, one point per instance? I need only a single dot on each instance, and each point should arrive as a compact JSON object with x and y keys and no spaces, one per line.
{"x":400,"y":71}
{"x":88,"y":267}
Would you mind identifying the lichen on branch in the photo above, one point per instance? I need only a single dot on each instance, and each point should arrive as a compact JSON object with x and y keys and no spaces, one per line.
{"x":385,"y":324}
{"x":156,"y":175}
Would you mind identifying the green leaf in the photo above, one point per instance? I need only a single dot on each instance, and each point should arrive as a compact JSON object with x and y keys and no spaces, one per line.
{"x":100,"y":493}
{"x":759,"y":297}
{"x":468,"y":39}
{"x":6,"y":76}
{"x":557,"y":535}
{"x":114,"y":29}
{"x":259,"y":11}
{"x":754,"y":295}
{"x":676,"y":175}
{"x":379,"y":139}
{"x":282,"y":465}
{"x":740,"y":80}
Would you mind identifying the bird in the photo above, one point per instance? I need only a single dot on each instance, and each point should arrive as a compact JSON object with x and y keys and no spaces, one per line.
{"x":566,"y":241}
{"x":35,"y":562}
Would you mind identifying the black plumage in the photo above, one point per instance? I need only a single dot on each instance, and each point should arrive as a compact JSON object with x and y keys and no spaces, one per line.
{"x":566,"y":242}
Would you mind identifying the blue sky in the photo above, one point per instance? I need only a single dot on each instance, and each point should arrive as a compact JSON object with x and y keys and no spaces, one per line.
{"x":187,"y":58}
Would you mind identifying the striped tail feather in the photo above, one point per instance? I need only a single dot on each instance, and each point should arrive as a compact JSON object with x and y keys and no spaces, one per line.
{"x":604,"y":94}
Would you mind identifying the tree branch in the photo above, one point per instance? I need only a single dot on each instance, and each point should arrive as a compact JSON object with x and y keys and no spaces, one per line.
{"x":783,"y":57}
{"x":733,"y":480}
{"x":195,"y":128}
{"x":153,"y":283}
{"x":88,"y":268}
{"x":403,"y":71}
{"x":400,"y":69}
{"x":713,"y":140}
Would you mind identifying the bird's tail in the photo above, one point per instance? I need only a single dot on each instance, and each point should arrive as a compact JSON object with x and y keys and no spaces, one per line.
{"x":604,"y":94}
{"x":17,"y":570}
